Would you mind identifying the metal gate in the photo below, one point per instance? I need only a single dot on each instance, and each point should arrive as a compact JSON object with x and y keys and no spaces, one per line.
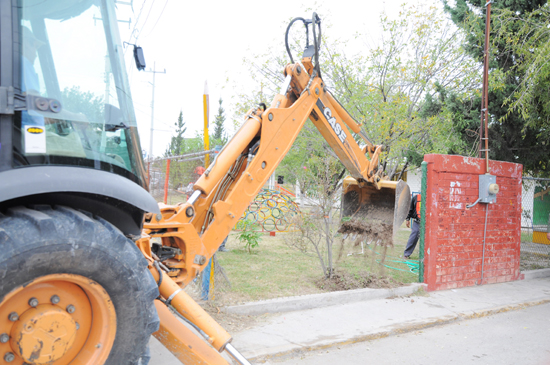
{"x":535,"y":246}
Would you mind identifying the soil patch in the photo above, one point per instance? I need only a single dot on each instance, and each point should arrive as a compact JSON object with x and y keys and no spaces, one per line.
{"x":345,"y":281}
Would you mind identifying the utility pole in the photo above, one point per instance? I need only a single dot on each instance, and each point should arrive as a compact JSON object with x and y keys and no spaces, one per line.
{"x":153,"y":71}
{"x":485,"y":93}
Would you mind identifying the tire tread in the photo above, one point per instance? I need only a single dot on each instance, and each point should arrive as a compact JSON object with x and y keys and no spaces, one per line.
{"x":41,"y":234}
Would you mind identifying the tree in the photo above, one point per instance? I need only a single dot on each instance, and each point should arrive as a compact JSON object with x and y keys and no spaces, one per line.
{"x":419,"y":51}
{"x":86,"y":102}
{"x":178,"y":175}
{"x":177,"y":142}
{"x":531,"y":42}
{"x":321,"y":185}
{"x":512,"y":137}
{"x":219,"y":129}
{"x":385,"y":86}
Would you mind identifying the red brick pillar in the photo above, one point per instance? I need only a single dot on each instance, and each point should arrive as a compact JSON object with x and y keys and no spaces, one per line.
{"x":453,"y":248}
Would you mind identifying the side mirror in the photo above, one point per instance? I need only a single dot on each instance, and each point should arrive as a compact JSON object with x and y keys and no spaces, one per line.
{"x":139,"y":58}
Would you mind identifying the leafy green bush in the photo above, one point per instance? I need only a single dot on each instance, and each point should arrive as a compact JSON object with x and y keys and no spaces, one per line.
{"x":250,"y":236}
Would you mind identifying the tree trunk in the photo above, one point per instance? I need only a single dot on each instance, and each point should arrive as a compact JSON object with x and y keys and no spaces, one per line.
{"x":329,"y":243}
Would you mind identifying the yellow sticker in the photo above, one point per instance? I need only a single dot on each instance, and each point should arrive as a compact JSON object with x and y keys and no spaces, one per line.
{"x":35,"y":139}
{"x":35,"y":130}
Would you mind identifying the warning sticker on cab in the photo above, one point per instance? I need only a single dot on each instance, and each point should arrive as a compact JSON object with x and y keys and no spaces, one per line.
{"x":35,"y":139}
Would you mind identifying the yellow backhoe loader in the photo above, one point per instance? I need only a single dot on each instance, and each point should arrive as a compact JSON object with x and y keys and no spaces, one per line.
{"x":80,"y":281}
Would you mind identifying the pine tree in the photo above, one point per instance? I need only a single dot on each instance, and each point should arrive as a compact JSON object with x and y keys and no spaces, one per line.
{"x":177,"y":142}
{"x":219,"y":130}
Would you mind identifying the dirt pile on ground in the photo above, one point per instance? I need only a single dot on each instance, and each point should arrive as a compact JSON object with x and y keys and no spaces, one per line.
{"x":346,"y":281}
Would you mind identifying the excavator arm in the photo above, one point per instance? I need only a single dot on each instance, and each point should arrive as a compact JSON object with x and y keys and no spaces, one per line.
{"x":192,"y":232}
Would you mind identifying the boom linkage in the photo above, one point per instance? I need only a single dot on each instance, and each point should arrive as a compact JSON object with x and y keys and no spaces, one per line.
{"x":195,"y":231}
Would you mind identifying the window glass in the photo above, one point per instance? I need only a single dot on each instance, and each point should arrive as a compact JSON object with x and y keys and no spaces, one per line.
{"x":79,"y":108}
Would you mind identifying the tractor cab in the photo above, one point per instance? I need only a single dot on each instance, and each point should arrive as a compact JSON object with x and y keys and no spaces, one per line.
{"x":68,"y":129}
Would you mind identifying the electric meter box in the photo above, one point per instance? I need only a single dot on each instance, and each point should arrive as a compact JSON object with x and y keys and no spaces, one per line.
{"x":488,"y":189}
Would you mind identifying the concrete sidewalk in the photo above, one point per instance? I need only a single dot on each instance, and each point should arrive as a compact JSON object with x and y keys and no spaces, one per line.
{"x":305,"y":330}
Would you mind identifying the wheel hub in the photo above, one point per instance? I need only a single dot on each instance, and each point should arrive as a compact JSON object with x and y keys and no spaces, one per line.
{"x":59,"y":318}
{"x":43,"y":334}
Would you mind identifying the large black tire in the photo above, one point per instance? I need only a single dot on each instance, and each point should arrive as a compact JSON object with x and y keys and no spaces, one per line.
{"x":45,"y":240}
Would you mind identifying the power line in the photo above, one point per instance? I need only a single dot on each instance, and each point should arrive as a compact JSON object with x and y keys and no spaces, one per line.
{"x":137,"y":20}
{"x":154,"y":72}
{"x":162,"y":122}
{"x":145,"y":22}
{"x":160,"y":16}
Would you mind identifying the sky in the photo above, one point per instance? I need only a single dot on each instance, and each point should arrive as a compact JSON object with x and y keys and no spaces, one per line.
{"x":207,"y":41}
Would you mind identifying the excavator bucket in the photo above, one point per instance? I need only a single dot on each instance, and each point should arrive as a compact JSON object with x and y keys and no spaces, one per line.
{"x":388,"y":205}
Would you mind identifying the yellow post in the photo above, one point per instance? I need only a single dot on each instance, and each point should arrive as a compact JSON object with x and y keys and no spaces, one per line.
{"x":206,"y":138}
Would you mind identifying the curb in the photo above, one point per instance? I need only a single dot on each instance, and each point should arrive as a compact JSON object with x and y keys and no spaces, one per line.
{"x":536,"y":274}
{"x":289,"y":304}
{"x":296,"y":303}
{"x":501,"y":309}
{"x":373,"y":336}
{"x":428,"y":323}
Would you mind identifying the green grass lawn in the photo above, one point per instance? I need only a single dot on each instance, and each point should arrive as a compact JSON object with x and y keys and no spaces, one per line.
{"x":274,"y":269}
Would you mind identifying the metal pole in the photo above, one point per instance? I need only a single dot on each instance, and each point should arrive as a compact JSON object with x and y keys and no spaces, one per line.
{"x":484,"y":240}
{"x":166,"y":181}
{"x":153,"y":108}
{"x":424,"y":197}
{"x":152,"y":115}
{"x":485,"y":98}
{"x":149,"y":174}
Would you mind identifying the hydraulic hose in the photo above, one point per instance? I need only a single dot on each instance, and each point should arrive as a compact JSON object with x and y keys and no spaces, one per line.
{"x":316,"y":41}
{"x":315,"y":20}
{"x":288,"y":30}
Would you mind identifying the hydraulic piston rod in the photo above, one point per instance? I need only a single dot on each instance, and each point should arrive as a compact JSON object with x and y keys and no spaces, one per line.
{"x":236,"y":354}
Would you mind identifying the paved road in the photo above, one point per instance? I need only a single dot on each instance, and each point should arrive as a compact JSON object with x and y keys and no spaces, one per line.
{"x":518,"y":337}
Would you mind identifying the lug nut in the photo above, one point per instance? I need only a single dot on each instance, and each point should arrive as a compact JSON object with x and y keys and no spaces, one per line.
{"x":77,"y":325}
{"x":70,"y":309}
{"x":9,"y":357}
{"x":13,"y":316}
{"x":54,"y":299}
{"x":33,"y":302}
{"x":4,"y":337}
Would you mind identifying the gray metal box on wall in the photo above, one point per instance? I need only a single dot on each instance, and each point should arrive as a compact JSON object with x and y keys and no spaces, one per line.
{"x":488,"y":188}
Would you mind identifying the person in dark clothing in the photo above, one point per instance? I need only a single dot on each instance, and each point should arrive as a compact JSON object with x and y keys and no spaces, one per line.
{"x":222,"y":247}
{"x":414,"y":215}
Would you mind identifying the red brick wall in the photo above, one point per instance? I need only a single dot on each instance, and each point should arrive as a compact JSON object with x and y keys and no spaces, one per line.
{"x":453,"y":243}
